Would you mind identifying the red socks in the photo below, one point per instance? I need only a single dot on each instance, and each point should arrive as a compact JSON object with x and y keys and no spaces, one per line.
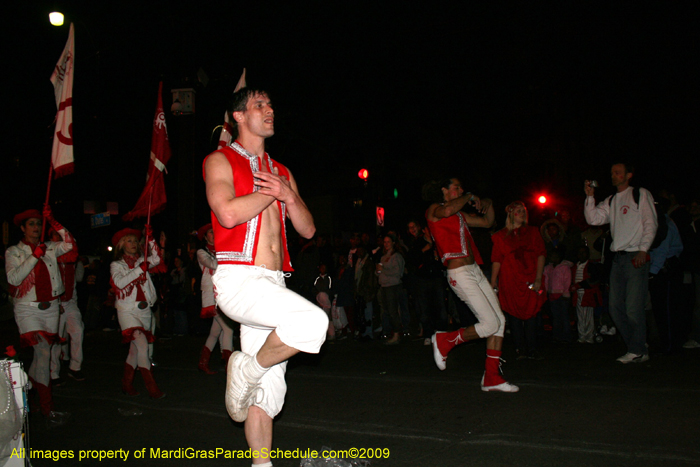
{"x":492,"y":376}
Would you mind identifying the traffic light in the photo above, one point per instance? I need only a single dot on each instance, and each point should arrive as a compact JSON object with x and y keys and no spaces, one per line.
{"x":363,"y":174}
{"x":542,"y":199}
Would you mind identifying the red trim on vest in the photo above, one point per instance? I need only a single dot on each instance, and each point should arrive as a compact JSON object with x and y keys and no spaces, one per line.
{"x":128,"y":334}
{"x":121,"y":294}
{"x":447,"y":236}
{"x":31,"y":338}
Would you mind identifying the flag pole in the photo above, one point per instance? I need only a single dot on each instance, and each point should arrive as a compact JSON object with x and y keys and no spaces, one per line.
{"x":46,"y":203}
{"x":148,"y":217}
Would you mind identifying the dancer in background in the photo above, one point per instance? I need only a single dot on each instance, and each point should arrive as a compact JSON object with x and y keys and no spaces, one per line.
{"x":35,"y":286}
{"x":135,"y":295}
{"x":220,"y":330}
{"x":450,"y":229}
{"x":70,"y":321}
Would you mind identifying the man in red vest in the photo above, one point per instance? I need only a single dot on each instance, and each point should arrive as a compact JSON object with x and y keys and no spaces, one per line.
{"x":250,"y":196}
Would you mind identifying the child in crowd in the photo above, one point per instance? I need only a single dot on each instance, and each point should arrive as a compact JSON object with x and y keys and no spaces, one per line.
{"x":587,"y":294}
{"x":557,"y":280}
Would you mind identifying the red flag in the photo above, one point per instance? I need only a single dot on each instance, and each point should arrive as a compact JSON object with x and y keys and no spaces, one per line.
{"x":62,"y":79}
{"x":225,"y":138}
{"x":153,"y":195}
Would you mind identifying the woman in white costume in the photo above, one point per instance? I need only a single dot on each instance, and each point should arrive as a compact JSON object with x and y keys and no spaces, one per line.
{"x":220,"y":330}
{"x":135,"y":295}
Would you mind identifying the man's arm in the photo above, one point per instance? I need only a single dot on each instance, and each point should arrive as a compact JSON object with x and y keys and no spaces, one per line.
{"x":486,"y":220}
{"x":286,"y":191}
{"x":649,"y":221}
{"x":230,"y":210}
{"x":451,"y":207}
{"x":595,"y":215}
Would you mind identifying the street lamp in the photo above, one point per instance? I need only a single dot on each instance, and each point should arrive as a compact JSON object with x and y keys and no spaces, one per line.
{"x":56,"y":18}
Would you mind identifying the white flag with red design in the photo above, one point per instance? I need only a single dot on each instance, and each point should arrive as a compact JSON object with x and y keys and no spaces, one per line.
{"x":225,"y":138}
{"x":62,"y":79}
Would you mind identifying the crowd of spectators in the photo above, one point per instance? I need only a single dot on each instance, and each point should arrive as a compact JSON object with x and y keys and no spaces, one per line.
{"x":390,"y":284}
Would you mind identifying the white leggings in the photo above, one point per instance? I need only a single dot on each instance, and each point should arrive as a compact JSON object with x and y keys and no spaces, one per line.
{"x":471,"y":286}
{"x":39,"y":369}
{"x":138,"y":352}
{"x":70,"y":323}
{"x":221,"y":331}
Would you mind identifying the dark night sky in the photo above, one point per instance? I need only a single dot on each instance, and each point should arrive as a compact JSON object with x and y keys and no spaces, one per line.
{"x":515,"y":98}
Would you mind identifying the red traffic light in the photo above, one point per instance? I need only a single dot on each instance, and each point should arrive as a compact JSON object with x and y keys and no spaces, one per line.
{"x":542,"y":199}
{"x":363,"y":174}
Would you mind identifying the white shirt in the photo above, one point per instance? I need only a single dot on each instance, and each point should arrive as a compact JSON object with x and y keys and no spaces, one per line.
{"x":633,"y":227}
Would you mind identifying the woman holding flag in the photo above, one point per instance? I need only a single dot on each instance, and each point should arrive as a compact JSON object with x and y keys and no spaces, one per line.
{"x":36,"y":285}
{"x":135,"y":295}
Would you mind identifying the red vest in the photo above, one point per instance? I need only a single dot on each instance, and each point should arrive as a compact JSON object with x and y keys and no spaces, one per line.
{"x":239,"y":245}
{"x":451,"y":235}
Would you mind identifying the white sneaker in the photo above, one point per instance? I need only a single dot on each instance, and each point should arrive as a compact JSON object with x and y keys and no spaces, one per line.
{"x":440,"y":359}
{"x":240,"y":393}
{"x":503,"y":387}
{"x":691,"y":344}
{"x":604,"y":330}
{"x":629,"y":357}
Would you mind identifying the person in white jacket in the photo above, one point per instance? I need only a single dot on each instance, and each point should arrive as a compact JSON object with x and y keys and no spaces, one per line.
{"x":633,"y":223}
{"x":220,"y":330}
{"x":135,"y":295}
{"x":70,"y":320}
{"x":36,"y":285}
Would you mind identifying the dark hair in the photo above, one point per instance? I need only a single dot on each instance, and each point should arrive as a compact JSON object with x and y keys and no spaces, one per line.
{"x":432,"y":191}
{"x":416,"y":221}
{"x":629,"y":168}
{"x":238,"y":103}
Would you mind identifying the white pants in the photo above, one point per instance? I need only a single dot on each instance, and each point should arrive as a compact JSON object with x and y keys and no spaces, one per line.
{"x":258,"y":299}
{"x":29,"y":319}
{"x":584,"y":319}
{"x":70,"y":323}
{"x":471,"y":286}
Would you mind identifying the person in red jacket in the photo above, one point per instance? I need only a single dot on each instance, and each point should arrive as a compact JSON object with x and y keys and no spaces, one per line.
{"x":517,"y":265}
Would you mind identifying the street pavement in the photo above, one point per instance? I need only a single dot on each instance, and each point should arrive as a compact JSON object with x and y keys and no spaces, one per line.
{"x":576,"y":407}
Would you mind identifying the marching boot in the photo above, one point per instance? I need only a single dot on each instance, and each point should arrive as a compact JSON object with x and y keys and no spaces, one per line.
{"x":128,"y":381}
{"x":53,"y":419}
{"x":151,"y":385}
{"x":45,"y":399}
{"x":204,"y":361}
{"x":493,"y":380}
{"x":225,"y":355}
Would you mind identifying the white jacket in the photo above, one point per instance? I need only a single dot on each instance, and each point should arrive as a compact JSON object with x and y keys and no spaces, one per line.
{"x":19,"y":263}
{"x":123,"y":276}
